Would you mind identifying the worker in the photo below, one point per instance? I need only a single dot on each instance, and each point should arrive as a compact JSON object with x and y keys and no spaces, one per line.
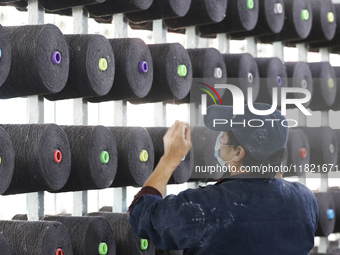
{"x":247,"y":213}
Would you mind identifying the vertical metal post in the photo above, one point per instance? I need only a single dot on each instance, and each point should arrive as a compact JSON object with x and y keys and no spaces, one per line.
{"x":35,"y":114}
{"x":120,"y":27}
{"x":324,"y":243}
{"x":252,"y":46}
{"x":223,"y":43}
{"x":278,"y":50}
{"x":80,"y":109}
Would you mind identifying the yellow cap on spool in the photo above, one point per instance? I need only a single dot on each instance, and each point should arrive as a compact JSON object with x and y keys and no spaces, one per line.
{"x":143,"y":156}
{"x":330,"y":17}
{"x":102,"y":64}
{"x":330,"y":83}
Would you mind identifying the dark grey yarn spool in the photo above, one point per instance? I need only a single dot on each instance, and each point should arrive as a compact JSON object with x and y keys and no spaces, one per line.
{"x":118,"y":6}
{"x":36,"y":237}
{"x":64,"y":12}
{"x":324,"y":91}
{"x":204,"y":63}
{"x":325,"y":202}
{"x":90,"y":168}
{"x":298,"y":152}
{"x":336,"y":39}
{"x":299,"y":76}
{"x":335,"y":193}
{"x":86,"y":79}
{"x":126,"y":240}
{"x":336,"y":105}
{"x":271,"y":70}
{"x":203,"y":146}
{"x":337,"y":133}
{"x":129,"y":83}
{"x":20,"y":217}
{"x":5,"y":56}
{"x":20,"y":5}
{"x":270,"y":20}
{"x":148,"y":25}
{"x":294,"y":28}
{"x":103,"y":20}
{"x":35,"y":147}
{"x":133,"y":143}
{"x":167,"y":84}
{"x":239,"y":18}
{"x":52,"y":5}
{"x":106,"y":209}
{"x":32,"y":50}
{"x":323,"y":30}
{"x":183,"y":171}
{"x":323,"y":147}
{"x":161,"y":9}
{"x":201,"y":12}
{"x":6,"y":160}
{"x":242,"y":72}
{"x":4,"y":246}
{"x":171,"y":252}
{"x":87,"y":233}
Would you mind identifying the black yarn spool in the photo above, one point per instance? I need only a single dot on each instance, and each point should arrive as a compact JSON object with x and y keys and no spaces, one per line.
{"x":36,"y":237}
{"x":298,"y":152}
{"x":94,"y":158}
{"x":103,"y":20}
{"x":5,"y":56}
{"x":270,"y":20}
{"x":161,"y":9}
{"x":34,"y":48}
{"x":89,"y":235}
{"x":52,"y":5}
{"x":172,"y":74}
{"x":325,"y":203}
{"x":325,"y":86}
{"x":127,"y":242}
{"x":337,"y":133}
{"x":168,"y":252}
{"x":21,"y":5}
{"x":42,"y":158}
{"x":106,"y":209}
{"x":118,"y":6}
{"x":203,"y":146}
{"x":201,"y":12}
{"x":335,"y":193}
{"x":4,"y":246}
{"x":92,"y":67}
{"x":142,"y":25}
{"x":323,"y":147}
{"x":272,"y":75}
{"x":296,"y":26}
{"x":134,"y":70}
{"x":299,"y":76}
{"x":20,"y":217}
{"x":336,"y":39}
{"x":336,"y":105}
{"x":241,"y":16}
{"x":324,"y":21}
{"x":183,"y":171}
{"x":135,"y":156}
{"x":6,"y":160}
{"x":208,"y":67}
{"x":64,"y":12}
{"x":242,"y":72}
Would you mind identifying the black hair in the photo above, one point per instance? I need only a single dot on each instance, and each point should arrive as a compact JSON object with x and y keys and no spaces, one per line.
{"x":277,"y":157}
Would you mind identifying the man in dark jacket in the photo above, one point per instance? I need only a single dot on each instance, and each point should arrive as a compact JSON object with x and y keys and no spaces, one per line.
{"x":243,"y":214}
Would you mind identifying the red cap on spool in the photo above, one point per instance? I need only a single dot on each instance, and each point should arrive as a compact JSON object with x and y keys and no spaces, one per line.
{"x":57,"y":156}
{"x":303,"y":153}
{"x":59,"y":252}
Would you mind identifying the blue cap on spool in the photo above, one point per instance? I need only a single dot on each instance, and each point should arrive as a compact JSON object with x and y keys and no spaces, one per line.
{"x":330,"y":214}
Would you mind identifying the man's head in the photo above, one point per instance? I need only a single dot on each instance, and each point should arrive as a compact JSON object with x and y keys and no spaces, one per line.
{"x":249,"y":139}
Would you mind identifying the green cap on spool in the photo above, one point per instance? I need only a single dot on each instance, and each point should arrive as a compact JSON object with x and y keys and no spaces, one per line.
{"x":330,"y":83}
{"x":144,"y":244}
{"x":102,"y":64}
{"x":182,"y":70}
{"x":104,"y":157}
{"x":250,"y":4}
{"x":102,"y":249}
{"x":304,"y":14}
{"x":143,"y":156}
{"x":330,"y":17}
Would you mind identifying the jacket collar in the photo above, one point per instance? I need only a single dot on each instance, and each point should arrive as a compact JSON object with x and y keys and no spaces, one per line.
{"x":239,"y":176}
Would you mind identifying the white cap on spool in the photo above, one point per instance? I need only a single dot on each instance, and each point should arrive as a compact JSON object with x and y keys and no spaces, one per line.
{"x":218,"y":73}
{"x":304,"y":83}
{"x":250,"y":78}
{"x":331,"y":148}
{"x":278,"y":9}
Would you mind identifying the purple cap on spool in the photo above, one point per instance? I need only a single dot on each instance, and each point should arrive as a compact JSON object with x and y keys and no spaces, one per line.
{"x":279,"y":80}
{"x":56,"y":57}
{"x":143,"y":67}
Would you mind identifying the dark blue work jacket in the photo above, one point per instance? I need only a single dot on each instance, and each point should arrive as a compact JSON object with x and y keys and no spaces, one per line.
{"x":242,"y":216}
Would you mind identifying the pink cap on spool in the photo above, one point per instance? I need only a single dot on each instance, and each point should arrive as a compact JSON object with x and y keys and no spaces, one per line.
{"x":303,"y":153}
{"x":59,"y":252}
{"x":57,"y":156}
